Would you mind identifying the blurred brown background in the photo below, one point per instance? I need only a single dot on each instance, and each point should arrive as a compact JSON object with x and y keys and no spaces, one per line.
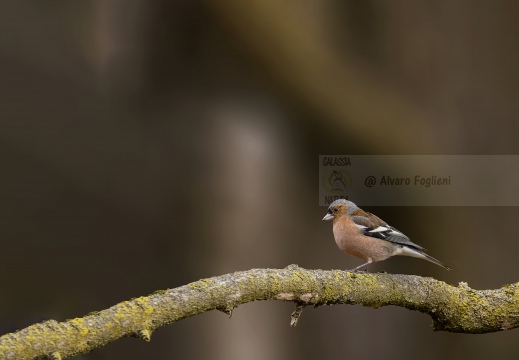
{"x":147,"y":144}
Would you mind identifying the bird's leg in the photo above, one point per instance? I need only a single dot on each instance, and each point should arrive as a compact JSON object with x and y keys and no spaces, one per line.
{"x":361,"y":266}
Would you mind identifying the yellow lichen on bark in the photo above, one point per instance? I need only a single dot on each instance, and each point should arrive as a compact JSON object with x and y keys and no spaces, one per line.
{"x":456,"y":309}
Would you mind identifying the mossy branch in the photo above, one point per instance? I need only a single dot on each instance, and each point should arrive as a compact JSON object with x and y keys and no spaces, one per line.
{"x":456,"y":309}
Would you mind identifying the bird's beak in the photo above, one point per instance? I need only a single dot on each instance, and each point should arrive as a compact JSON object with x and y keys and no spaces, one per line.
{"x":327,"y":217}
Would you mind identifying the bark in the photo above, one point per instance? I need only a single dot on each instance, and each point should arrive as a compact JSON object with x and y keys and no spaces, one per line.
{"x":456,"y":309}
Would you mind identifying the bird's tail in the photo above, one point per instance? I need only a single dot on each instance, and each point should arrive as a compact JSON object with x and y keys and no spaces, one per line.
{"x":408,"y":251}
{"x":435,"y":261}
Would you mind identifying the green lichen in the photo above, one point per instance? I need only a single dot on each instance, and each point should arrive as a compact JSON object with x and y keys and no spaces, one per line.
{"x":458,"y":309}
{"x":202,"y":284}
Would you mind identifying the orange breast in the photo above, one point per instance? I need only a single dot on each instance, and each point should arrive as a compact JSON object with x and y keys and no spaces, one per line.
{"x":349,"y":239}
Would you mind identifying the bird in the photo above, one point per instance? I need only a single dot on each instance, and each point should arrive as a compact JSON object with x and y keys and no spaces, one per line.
{"x":366,"y":236}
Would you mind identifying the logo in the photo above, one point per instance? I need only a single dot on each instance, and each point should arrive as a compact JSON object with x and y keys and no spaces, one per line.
{"x":336,"y":181}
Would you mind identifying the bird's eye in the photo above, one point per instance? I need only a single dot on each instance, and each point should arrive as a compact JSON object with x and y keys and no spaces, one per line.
{"x":335,"y":210}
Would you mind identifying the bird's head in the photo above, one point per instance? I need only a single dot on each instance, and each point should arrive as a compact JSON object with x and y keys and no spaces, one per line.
{"x":339,"y":208}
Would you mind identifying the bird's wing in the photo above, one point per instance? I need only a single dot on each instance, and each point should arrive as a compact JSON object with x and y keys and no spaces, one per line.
{"x":372,"y":225}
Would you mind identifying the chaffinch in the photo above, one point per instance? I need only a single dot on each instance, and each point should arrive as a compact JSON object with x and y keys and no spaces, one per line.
{"x":364,"y":235}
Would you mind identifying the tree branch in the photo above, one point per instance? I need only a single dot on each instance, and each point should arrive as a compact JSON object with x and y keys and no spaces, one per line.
{"x":455,"y":309}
